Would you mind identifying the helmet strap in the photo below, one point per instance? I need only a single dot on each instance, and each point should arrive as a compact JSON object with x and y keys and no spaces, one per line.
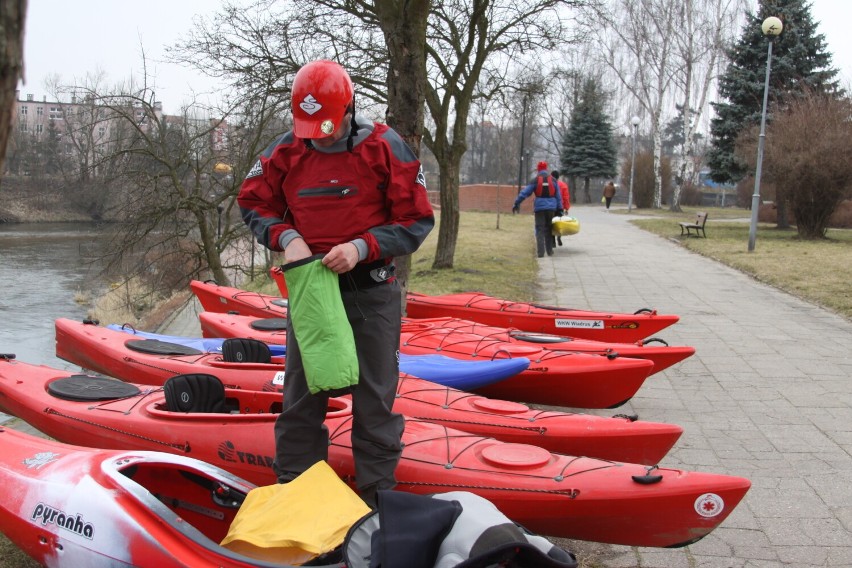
{"x":353,"y":130}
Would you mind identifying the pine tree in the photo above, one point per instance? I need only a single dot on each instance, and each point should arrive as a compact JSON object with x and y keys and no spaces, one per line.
{"x":588,"y":148}
{"x":800,"y":63}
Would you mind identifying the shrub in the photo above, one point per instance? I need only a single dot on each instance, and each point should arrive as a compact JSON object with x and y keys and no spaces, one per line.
{"x":808,"y":158}
{"x":643,"y":180}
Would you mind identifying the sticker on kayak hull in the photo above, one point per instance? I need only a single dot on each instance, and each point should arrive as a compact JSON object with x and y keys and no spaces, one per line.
{"x":278,"y":379}
{"x":709,"y":505}
{"x":579,"y":324}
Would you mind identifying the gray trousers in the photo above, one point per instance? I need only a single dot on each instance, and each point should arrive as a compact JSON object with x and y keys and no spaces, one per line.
{"x":544,"y":232}
{"x":301,"y":438}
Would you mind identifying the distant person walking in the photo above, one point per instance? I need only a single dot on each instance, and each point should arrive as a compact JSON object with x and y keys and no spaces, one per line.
{"x":547,"y":202}
{"x":608,"y":193}
{"x":565,"y":193}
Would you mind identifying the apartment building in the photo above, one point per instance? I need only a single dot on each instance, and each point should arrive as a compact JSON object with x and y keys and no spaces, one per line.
{"x":83,"y":130}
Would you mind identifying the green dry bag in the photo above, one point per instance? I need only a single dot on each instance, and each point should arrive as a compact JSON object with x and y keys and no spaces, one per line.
{"x":322,"y":329}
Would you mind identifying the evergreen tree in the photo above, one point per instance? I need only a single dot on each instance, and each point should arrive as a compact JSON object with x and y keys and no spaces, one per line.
{"x":800,"y":64}
{"x":588,"y":148}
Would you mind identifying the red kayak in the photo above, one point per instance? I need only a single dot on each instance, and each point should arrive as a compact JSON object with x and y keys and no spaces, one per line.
{"x":553,"y":494}
{"x":571,"y":322}
{"x":444,"y":332}
{"x":225,"y":299}
{"x":68,"y":505}
{"x":106,"y":351}
{"x":585,"y":324}
{"x":560,"y":378}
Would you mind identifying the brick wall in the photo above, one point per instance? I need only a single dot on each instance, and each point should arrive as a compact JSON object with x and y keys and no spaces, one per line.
{"x":486,"y":197}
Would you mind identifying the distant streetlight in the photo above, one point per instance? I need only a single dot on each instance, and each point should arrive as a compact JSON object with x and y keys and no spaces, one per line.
{"x":771,"y":27}
{"x":635,"y":122}
{"x":523,"y":133}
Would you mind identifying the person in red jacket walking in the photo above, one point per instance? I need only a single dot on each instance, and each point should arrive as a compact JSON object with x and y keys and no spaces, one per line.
{"x":566,"y":198}
{"x":350,"y":191}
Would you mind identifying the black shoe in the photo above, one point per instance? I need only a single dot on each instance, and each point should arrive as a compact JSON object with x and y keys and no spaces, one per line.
{"x":541,"y":255}
{"x":559,"y":241}
{"x":550,"y":253}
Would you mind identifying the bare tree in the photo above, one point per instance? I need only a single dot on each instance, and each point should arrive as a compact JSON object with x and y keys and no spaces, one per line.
{"x":12,"y":16}
{"x":703,"y":29}
{"x":637,"y":40}
{"x":173,"y":183}
{"x":808,"y":157}
{"x":468,"y":47}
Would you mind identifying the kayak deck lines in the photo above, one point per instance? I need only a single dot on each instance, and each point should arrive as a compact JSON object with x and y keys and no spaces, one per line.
{"x":450,"y":459}
{"x":183,"y":448}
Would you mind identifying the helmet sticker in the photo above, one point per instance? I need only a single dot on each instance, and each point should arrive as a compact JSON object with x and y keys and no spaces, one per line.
{"x":310,"y":105}
{"x":255,"y":170}
{"x":421,"y":177}
{"x":327,"y":126}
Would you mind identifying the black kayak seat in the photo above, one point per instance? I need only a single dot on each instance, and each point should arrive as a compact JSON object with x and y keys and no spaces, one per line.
{"x":245,"y":350}
{"x":194,"y":392}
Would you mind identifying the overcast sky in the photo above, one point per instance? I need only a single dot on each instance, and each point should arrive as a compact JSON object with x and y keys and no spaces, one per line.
{"x":74,"y":38}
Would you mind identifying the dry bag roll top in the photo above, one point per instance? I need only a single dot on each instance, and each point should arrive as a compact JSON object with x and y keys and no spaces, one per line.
{"x":322,"y":329}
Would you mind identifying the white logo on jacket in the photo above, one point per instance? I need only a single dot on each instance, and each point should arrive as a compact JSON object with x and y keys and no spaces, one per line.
{"x":310,"y":105}
{"x":255,"y":170}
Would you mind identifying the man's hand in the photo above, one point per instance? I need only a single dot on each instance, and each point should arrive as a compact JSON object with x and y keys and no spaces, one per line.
{"x":296,"y":250}
{"x":342,"y":258}
{"x":516,"y":209}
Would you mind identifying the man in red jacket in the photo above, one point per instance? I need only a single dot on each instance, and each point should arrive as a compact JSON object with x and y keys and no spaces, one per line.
{"x":566,"y":198}
{"x":350,"y":190}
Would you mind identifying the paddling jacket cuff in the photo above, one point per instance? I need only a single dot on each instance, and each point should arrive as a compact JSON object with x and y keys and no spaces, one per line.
{"x":287,"y":237}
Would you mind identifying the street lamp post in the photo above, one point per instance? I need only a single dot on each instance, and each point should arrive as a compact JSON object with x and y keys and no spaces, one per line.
{"x":771,"y":27}
{"x":635,"y":122}
{"x":521,"y":158}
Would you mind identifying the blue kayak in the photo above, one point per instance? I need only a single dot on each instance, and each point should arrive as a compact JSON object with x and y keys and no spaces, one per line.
{"x":456,"y":373}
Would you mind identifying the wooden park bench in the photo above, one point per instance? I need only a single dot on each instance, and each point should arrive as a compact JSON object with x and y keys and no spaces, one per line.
{"x":686,"y":228}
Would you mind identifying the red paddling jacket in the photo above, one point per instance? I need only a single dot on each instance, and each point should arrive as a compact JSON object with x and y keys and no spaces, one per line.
{"x":328,"y":196}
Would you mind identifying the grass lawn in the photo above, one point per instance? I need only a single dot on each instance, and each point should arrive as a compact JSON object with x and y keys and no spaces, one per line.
{"x":817,"y":271}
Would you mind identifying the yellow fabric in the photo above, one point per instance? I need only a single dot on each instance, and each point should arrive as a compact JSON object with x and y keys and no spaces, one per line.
{"x":294,"y":522}
{"x":565,"y":225}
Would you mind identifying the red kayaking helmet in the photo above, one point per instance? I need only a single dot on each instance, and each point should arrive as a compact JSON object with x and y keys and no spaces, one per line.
{"x":541,"y":166}
{"x":322,"y":93}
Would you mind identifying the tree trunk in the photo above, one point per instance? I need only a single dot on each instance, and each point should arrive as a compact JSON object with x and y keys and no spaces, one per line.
{"x":658,"y":165}
{"x":781,"y":210}
{"x":12,"y":16}
{"x":587,"y":197}
{"x":449,"y":228}
{"x":404,"y":27}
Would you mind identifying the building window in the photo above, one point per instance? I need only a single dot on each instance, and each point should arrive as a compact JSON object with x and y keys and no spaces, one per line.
{"x":22,"y":127}
{"x":39,"y":111}
{"x":39,"y":128}
{"x":24,"y":109}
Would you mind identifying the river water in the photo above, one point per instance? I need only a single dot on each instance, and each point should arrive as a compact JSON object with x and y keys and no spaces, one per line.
{"x":43,"y":267}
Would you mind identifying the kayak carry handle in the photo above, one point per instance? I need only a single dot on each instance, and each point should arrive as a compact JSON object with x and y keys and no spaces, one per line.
{"x":648,"y":479}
